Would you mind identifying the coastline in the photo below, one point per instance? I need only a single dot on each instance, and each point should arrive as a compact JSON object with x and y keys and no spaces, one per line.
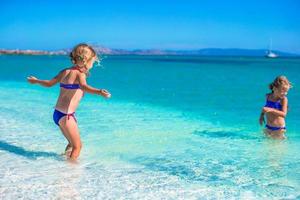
{"x":31,"y":52}
{"x":198,"y":52}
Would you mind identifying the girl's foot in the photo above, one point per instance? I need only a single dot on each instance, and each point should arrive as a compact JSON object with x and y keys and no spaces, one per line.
{"x":68,"y":150}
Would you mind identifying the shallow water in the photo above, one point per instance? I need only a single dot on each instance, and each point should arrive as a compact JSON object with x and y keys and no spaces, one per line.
{"x":175,"y":128}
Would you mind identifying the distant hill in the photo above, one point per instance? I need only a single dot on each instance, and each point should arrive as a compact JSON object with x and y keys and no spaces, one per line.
{"x":233,"y":52}
{"x":200,"y":52}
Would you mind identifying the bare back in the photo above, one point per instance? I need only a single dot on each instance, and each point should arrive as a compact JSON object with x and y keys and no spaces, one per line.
{"x":69,"y":99}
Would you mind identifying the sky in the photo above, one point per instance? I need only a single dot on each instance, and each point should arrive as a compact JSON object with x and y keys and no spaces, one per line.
{"x":141,"y":24}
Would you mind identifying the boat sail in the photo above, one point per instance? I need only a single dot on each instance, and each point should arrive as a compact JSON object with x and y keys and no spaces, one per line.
{"x":271,"y":54}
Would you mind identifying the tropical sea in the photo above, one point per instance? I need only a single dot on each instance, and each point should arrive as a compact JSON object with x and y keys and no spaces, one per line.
{"x":176,"y":127}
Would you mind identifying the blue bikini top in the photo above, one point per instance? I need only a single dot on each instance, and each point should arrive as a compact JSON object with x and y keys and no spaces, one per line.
{"x":273,"y":104}
{"x":70,"y":86}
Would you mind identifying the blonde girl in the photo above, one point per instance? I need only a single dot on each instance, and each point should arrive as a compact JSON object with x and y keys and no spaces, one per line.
{"x":72,"y":87}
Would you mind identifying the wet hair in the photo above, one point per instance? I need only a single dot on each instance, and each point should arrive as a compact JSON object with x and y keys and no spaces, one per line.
{"x":82,"y":53}
{"x":280,"y":81}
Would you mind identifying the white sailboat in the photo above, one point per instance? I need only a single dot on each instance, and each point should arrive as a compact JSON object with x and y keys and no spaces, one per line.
{"x":271,"y":54}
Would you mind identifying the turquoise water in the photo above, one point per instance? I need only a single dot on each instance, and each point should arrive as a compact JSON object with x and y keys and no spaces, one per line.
{"x":175,"y":128}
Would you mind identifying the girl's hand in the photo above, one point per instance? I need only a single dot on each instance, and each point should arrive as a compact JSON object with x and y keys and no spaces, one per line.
{"x":266,"y":109}
{"x":262,"y":120}
{"x":32,"y":79}
{"x":105,"y":93}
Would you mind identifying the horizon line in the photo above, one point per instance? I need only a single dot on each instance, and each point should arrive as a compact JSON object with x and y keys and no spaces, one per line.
{"x":149,"y":49}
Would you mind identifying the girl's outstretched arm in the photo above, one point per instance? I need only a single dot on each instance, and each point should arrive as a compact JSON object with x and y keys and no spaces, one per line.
{"x":279,"y":113}
{"x":46,"y":83}
{"x":85,"y":87}
{"x":262,"y":119}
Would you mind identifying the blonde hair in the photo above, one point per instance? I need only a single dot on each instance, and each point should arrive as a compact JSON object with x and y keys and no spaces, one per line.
{"x":280,"y":81}
{"x":82,"y":54}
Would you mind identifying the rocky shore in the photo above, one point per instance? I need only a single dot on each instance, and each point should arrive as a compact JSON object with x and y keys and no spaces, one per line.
{"x":31,"y":52}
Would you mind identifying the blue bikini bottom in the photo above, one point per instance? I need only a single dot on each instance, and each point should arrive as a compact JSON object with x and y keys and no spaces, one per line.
{"x":274,"y":128}
{"x":57,"y":115}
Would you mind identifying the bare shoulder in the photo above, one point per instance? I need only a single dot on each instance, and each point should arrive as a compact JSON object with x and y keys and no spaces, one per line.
{"x":61,"y":73}
{"x":284,"y":100}
{"x":81,"y":75}
{"x":65,"y":70}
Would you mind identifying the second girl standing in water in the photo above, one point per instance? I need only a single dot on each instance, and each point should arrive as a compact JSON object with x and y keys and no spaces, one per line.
{"x":275,"y":108}
{"x":72,"y":87}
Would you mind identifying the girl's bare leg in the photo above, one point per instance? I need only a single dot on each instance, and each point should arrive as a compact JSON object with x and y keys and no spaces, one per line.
{"x":69,"y":126}
{"x":279,"y":134}
{"x":65,"y":133}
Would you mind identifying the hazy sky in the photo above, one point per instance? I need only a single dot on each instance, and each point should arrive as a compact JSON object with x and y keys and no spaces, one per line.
{"x":134,"y":24}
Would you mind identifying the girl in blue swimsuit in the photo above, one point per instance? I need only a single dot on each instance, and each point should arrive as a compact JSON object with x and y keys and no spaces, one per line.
{"x":72,"y":87}
{"x":275,"y":108}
